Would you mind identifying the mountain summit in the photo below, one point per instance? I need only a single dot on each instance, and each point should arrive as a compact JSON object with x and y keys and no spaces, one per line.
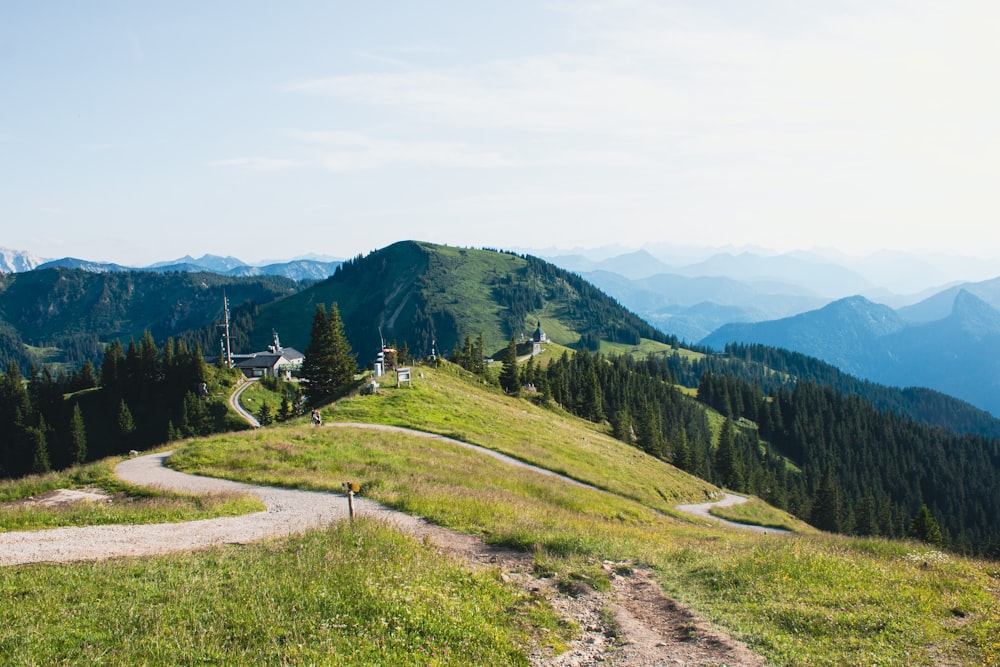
{"x":428,"y":295}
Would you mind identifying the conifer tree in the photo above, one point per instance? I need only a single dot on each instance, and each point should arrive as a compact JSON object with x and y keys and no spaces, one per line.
{"x":826,"y":510}
{"x":509,"y":378}
{"x":728,"y":463}
{"x":344,"y":364}
{"x":77,"y":436}
{"x":84,"y":378}
{"x":285,"y":410}
{"x":113,"y":365}
{"x":622,"y":425}
{"x":317,"y":367}
{"x":925,"y":528}
{"x":264,"y":415}
{"x":126,"y":424}
{"x":36,"y":439}
{"x":329,"y":365}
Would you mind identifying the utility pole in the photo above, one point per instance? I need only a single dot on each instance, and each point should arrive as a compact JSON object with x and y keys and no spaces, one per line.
{"x":229,"y":352}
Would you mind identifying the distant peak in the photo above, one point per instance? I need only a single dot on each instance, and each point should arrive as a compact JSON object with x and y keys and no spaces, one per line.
{"x":974,"y":315}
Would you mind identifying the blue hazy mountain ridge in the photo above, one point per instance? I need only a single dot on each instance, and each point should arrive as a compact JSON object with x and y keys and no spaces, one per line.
{"x":940,"y":304}
{"x":296,"y":269}
{"x":635,"y":265}
{"x":632,"y":265}
{"x":814,"y":274}
{"x":693,"y":307}
{"x":83,"y":265}
{"x":213,"y":263}
{"x":300,"y":269}
{"x":958,"y":354}
{"x":693,"y":300}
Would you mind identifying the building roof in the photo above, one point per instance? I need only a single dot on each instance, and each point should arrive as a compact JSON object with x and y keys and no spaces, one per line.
{"x":287,"y":355}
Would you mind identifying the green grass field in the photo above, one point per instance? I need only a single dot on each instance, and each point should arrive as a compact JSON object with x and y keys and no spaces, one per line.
{"x":806,"y":599}
{"x":758,"y":513}
{"x":127,"y":504}
{"x":353,"y":594}
{"x":799,"y":600}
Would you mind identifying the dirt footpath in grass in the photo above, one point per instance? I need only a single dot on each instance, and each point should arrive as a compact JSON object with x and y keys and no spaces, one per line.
{"x":632,"y":625}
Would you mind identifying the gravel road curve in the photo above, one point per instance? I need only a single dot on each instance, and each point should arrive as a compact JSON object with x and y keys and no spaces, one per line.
{"x":702,"y":510}
{"x":288,"y":511}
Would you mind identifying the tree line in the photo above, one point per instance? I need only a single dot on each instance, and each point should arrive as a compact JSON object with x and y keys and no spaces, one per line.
{"x":140,"y":397}
{"x":834,"y":460}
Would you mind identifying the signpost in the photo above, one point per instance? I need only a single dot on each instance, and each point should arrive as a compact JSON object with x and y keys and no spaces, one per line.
{"x":351,"y":488}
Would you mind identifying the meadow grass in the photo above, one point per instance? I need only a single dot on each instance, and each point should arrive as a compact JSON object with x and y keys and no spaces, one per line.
{"x":126,"y":504}
{"x":256,"y":395}
{"x":799,"y":600}
{"x":352,"y":594}
{"x":640,"y":351}
{"x":551,"y":318}
{"x":451,"y":402}
{"x":758,"y":513}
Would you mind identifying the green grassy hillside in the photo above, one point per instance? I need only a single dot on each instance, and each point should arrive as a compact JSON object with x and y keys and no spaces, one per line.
{"x":419,"y":292}
{"x":806,"y":599}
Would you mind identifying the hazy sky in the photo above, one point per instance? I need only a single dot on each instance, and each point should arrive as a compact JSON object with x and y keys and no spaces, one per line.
{"x":143,"y":131}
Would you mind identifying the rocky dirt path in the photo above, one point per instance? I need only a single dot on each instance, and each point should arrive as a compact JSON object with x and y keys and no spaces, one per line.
{"x":632,"y":625}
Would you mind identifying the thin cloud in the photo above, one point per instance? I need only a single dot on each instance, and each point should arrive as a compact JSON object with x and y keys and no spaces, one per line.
{"x":262,"y":163}
{"x":351,"y":151}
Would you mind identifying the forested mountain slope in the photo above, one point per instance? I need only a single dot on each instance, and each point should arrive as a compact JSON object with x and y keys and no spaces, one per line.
{"x":830,"y":458}
{"x":75,"y":312}
{"x":958,"y":355}
{"x":420,"y":293}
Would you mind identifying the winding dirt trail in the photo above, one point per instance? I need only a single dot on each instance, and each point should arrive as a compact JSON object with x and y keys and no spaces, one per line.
{"x":703,"y":510}
{"x":632,"y":625}
{"x":234,"y":403}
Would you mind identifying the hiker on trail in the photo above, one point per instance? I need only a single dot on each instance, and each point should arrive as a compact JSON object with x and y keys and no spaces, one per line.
{"x":317,"y":420}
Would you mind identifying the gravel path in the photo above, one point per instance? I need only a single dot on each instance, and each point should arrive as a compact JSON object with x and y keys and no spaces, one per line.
{"x":509,"y":460}
{"x":234,"y":403}
{"x":729,"y":499}
{"x":288,"y":511}
{"x":645,"y":628}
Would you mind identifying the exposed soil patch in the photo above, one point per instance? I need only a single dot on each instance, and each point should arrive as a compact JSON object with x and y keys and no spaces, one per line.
{"x":60,"y":497}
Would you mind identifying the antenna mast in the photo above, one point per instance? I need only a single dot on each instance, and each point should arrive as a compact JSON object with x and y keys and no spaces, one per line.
{"x":229,"y":352}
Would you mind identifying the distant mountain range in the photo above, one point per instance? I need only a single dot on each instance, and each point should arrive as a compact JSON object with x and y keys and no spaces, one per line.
{"x":942,"y":337}
{"x":957,"y":353}
{"x":15,"y":261}
{"x":692,"y":299}
{"x":297,"y":269}
{"x":18,"y":261}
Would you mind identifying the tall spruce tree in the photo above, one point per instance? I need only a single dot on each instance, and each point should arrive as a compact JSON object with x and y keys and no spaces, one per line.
{"x":827,"y":510}
{"x":329,"y":365}
{"x":41,"y":462}
{"x":728,"y":463}
{"x":344,"y":364}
